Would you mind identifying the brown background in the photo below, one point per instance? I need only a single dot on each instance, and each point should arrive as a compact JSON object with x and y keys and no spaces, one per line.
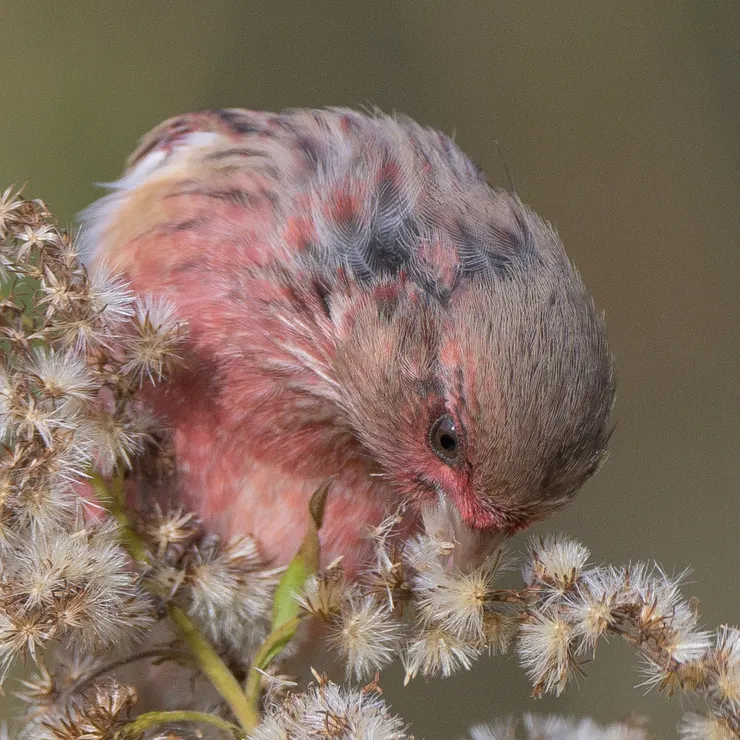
{"x":619,"y":122}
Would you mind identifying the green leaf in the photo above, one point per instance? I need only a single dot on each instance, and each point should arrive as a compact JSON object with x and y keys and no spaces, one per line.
{"x":285,"y":610}
{"x":304,"y":564}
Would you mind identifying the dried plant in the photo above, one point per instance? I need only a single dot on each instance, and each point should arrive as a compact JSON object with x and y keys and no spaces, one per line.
{"x":85,"y":572}
{"x":531,"y":727}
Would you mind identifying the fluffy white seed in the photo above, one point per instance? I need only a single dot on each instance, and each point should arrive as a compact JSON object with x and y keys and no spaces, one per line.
{"x":437,"y":653}
{"x":328,"y":710}
{"x":545,"y":650}
{"x":367,"y":636}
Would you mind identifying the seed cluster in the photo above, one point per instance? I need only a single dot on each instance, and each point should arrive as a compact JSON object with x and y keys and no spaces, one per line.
{"x":81,"y":574}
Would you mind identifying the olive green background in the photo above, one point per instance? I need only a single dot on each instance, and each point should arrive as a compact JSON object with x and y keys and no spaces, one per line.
{"x":618,"y":122}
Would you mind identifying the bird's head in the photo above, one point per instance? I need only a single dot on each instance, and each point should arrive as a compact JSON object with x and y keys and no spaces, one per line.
{"x":485,"y":404}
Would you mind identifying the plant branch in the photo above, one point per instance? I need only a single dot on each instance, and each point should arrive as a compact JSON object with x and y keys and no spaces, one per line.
{"x":150,"y":720}
{"x":271,"y":647}
{"x":206,"y":657}
{"x":160,"y":653}
{"x":215,"y":670}
{"x":112,"y":496}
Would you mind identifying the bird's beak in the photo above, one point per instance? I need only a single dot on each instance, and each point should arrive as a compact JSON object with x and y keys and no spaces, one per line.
{"x":471,"y":546}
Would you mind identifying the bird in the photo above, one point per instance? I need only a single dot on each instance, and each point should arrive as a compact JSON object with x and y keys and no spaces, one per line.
{"x":363,"y":307}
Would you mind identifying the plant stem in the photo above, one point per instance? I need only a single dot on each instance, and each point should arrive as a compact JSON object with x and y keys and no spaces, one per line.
{"x":159,"y":653}
{"x":206,"y":658}
{"x":154,"y":719}
{"x":112,"y":497}
{"x":272,"y":645}
{"x":216,"y":670}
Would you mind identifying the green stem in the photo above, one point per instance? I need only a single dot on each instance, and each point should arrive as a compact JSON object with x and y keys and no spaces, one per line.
{"x":216,"y":670}
{"x":112,"y":497}
{"x":207,"y":659}
{"x":272,"y":645}
{"x":149,"y":720}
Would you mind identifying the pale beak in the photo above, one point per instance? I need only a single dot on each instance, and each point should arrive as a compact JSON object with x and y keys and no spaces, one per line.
{"x":471,"y":546}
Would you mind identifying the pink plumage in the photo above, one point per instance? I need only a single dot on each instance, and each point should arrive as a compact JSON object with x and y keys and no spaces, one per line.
{"x":361,"y":306}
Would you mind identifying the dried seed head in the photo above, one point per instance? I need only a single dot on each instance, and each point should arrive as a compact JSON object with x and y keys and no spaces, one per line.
{"x":437,"y":653}
{"x":174,"y":528}
{"x":63,"y":377}
{"x":10,"y":205}
{"x":153,"y":346}
{"x":456,"y":601}
{"x":725,"y":686}
{"x":96,"y":715}
{"x":331,"y":711}
{"x":699,"y":727}
{"x":545,"y":650}
{"x":592,"y":606}
{"x":324,"y":592}
{"x":555,"y":563}
{"x":367,"y":636}
{"x":230,"y":590}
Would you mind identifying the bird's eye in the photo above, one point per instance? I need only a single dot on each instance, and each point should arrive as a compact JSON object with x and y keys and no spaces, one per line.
{"x":444,"y":439}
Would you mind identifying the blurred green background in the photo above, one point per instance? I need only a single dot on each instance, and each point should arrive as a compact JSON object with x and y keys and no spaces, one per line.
{"x":618,"y":121}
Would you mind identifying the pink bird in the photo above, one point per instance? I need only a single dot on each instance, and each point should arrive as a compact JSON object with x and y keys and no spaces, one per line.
{"x":362,"y":306}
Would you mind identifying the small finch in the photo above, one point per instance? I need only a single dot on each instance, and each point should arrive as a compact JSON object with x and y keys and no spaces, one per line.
{"x":361,"y":306}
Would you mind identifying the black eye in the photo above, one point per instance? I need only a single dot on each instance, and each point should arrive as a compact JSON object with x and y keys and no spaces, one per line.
{"x":444,"y":439}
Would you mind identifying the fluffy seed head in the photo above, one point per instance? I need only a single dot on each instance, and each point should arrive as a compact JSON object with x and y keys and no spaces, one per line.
{"x":555,"y":563}
{"x":60,"y":376}
{"x":591,"y":607}
{"x":699,"y":727}
{"x":434,"y":652}
{"x":366,"y":635}
{"x":155,"y":342}
{"x":545,"y":650}
{"x":533,"y":727}
{"x":328,"y":710}
{"x":726,"y":684}
{"x":324,"y":592}
{"x":231,"y":590}
{"x":456,"y":601}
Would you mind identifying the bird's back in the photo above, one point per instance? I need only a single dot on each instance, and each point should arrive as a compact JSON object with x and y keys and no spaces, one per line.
{"x":325,"y":191}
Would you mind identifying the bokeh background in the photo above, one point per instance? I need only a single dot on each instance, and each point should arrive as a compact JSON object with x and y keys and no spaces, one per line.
{"x":619,"y":122}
